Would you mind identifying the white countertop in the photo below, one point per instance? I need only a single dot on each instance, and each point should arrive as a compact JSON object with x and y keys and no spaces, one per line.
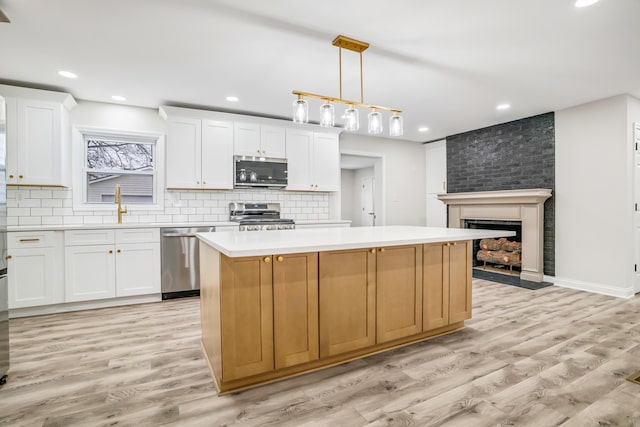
{"x":330,"y":239}
{"x":116,"y":226}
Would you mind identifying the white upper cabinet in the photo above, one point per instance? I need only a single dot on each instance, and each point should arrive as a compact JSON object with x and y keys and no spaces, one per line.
{"x":199,"y":154}
{"x":253,"y":139}
{"x":313,"y":161}
{"x":38,"y":136}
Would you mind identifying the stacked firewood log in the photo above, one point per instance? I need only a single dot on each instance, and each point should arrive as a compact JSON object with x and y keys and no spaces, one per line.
{"x":500,"y":251}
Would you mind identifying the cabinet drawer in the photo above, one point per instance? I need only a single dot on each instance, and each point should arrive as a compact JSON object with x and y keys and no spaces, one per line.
{"x":138,"y":235}
{"x":89,"y":237}
{"x":36,"y":239}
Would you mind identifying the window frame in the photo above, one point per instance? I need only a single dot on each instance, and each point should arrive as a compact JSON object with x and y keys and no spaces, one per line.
{"x":80,"y":168}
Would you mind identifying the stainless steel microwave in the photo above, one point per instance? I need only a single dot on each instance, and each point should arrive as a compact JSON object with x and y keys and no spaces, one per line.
{"x":262,"y":172}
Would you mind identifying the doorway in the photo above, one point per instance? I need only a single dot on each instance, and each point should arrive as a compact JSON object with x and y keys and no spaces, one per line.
{"x":362,"y":189}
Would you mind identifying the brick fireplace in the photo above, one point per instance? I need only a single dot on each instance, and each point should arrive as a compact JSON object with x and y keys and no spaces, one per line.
{"x":525,"y":206}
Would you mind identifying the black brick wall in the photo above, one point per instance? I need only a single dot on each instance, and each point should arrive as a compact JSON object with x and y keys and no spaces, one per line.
{"x":510,"y":156}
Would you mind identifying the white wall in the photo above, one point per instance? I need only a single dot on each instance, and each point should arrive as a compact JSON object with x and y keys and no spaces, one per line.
{"x":594,"y":239}
{"x":403,"y":176}
{"x":346,"y":194}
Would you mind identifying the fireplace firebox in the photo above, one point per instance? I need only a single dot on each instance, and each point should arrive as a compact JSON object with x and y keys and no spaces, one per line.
{"x":502,"y":255}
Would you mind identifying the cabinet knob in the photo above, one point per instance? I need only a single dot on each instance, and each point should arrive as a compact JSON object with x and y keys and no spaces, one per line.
{"x":10,"y":176}
{"x":110,"y":251}
{"x":118,"y":251}
{"x":264,"y":151}
{"x":197,"y":182}
{"x":267,"y":259}
{"x":204,"y":182}
{"x":280,"y":258}
{"x":381,"y":249}
{"x":8,"y":257}
{"x":20,"y":176}
{"x":258,"y":151}
{"x":448,"y":243}
{"x":373,"y":251}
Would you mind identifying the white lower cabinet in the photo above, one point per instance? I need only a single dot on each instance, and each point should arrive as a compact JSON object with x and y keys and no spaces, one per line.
{"x":35,"y":269}
{"x":121,"y":263}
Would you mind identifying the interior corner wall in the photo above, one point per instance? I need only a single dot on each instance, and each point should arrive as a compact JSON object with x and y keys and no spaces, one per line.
{"x":593,"y":209}
{"x":346,"y":195}
{"x":403,"y":176}
{"x":509,"y":156}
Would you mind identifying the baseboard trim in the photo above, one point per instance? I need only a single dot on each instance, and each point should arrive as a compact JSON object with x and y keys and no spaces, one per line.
{"x":82,"y":305}
{"x":596,"y":288}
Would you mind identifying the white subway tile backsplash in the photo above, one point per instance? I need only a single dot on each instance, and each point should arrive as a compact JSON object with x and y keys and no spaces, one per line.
{"x":46,"y":206}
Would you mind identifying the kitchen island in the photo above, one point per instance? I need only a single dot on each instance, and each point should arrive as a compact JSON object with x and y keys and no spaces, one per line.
{"x":281,"y":303}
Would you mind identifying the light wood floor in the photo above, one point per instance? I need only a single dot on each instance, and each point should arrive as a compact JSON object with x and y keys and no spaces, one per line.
{"x":541,"y":358}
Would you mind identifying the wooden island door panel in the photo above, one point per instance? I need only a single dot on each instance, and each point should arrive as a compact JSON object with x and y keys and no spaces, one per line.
{"x":435,"y":286}
{"x":295,"y":309}
{"x":460,"y":281}
{"x":399,"y":292}
{"x":246,"y":316}
{"x":347,"y":300}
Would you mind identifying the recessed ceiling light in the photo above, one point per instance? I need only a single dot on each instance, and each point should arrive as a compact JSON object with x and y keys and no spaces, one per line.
{"x":585,"y":3}
{"x":503,"y":107}
{"x":232,"y":98}
{"x":118,"y":98}
{"x":68,"y":74}
{"x":423,"y":129}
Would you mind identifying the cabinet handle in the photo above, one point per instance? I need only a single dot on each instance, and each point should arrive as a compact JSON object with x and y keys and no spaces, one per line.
{"x":381,"y":249}
{"x":280,"y":258}
{"x":29,"y":240}
{"x":267,"y":259}
{"x":110,"y":251}
{"x":8,"y":257}
{"x":373,"y":251}
{"x":118,"y":251}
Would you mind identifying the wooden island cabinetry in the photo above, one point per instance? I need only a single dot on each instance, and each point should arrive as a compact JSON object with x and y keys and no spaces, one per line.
{"x":270,"y":316}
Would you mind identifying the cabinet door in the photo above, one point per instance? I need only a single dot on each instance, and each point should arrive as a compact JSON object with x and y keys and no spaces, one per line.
{"x":435,"y":288}
{"x":325,"y":162}
{"x":299,"y":145}
{"x":39,"y":143}
{"x":246,"y":139}
{"x":35,"y":278}
{"x":272,"y":141}
{"x":217,"y":155}
{"x":184,"y":137}
{"x":137,"y":269}
{"x":246,"y":316}
{"x":399,"y":292}
{"x":460,"y":281}
{"x":295,"y":309}
{"x":89,"y":272}
{"x":347,"y":301}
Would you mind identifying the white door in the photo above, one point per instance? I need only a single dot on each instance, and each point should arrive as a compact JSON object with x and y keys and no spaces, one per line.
{"x":217,"y":155}
{"x":636,"y":215}
{"x":298,"y":159}
{"x":137,"y":269}
{"x":272,"y":141}
{"x":246,"y":139}
{"x":368,"y":211}
{"x":89,"y":272}
{"x":326,"y":162}
{"x":436,"y":166}
{"x":33,"y":278}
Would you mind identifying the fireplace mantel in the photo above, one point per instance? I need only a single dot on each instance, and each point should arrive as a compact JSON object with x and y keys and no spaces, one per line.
{"x":526,"y":206}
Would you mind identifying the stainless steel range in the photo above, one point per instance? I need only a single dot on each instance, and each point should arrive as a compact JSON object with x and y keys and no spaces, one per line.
{"x":259,"y":217}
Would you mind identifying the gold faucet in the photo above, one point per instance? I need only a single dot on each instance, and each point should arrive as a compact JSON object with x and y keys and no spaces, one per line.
{"x":121,"y":210}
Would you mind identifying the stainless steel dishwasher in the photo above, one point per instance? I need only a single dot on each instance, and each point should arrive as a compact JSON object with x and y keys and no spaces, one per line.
{"x":180,"y":261}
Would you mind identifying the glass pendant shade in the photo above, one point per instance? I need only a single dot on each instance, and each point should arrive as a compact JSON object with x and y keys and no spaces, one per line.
{"x":351,"y":119}
{"x":300,"y":111}
{"x":395,"y":125}
{"x":375,"y":122}
{"x":327,"y":115}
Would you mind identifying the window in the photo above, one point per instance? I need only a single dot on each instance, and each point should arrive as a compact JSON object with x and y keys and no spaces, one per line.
{"x":130,"y":160}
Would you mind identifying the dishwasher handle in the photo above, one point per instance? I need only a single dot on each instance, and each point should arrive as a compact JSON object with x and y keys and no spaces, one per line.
{"x":191,"y":233}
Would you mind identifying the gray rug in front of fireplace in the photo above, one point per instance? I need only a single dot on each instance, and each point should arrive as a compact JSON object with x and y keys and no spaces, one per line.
{"x":509,"y":280}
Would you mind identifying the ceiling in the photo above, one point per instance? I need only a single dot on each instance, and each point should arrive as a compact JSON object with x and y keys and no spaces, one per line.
{"x":446,"y":64}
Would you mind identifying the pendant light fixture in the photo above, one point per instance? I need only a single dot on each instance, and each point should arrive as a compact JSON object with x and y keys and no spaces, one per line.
{"x":351,"y":114}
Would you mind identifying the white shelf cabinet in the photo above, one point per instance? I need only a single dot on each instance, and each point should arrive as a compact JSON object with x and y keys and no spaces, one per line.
{"x":253,"y":139}
{"x":111,"y":263}
{"x":38,"y":136}
{"x":35,"y":268}
{"x":199,"y":154}
{"x":314,"y":161}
